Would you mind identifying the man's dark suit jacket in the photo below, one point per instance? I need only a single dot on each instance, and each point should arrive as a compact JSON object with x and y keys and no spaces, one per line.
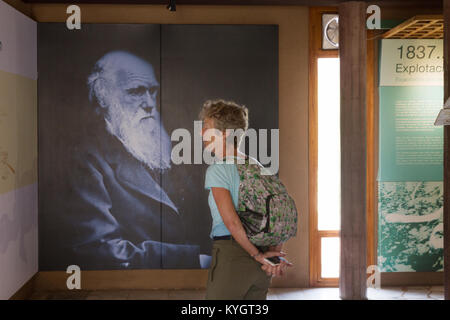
{"x":118,"y":215}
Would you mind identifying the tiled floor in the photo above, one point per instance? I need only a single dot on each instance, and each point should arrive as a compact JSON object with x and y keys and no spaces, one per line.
{"x":390,"y":293}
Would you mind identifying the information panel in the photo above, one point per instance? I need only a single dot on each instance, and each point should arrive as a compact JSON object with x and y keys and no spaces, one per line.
{"x":410,"y":192}
{"x":411,"y":95}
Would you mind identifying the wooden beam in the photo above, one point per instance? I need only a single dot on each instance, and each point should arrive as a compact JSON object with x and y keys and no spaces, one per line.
{"x":446,"y":153}
{"x":352,"y":53}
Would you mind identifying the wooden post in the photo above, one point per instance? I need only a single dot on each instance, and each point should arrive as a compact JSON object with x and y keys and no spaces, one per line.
{"x":446,"y":8}
{"x":352,"y":54}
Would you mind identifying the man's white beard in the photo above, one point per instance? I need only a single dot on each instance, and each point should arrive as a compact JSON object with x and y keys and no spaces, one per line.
{"x":147,"y":141}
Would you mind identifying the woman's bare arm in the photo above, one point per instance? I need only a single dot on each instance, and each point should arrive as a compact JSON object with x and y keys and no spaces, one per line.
{"x":231,"y":220}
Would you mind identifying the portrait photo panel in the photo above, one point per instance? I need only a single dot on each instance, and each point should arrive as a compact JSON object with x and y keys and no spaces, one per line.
{"x":110,"y":96}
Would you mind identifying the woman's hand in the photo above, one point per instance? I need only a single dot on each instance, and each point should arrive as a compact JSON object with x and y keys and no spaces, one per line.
{"x":266,"y":266}
{"x":277,"y":270}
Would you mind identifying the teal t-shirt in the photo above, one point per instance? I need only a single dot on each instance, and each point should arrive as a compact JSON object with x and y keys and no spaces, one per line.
{"x":221,"y":175}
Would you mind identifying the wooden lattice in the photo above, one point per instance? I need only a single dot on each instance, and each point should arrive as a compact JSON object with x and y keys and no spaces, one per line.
{"x":418,"y":27}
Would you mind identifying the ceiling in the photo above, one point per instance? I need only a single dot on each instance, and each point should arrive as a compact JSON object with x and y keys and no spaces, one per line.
{"x":381,"y":3}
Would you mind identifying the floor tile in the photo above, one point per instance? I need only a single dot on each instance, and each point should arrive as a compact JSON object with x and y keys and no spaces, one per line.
{"x":60,"y":295}
{"x":437,"y":289}
{"x":415,"y":293}
{"x":186,"y":295}
{"x":388,"y":293}
{"x":271,"y":295}
{"x":108,"y":295}
{"x":41,"y":295}
{"x":321,"y":294}
{"x":287,"y":293}
{"x":148,"y":295}
{"x":436,"y":293}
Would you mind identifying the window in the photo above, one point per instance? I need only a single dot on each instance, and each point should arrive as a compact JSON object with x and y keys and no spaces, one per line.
{"x":329,"y":155}
{"x":324,"y":156}
{"x":328,"y":166}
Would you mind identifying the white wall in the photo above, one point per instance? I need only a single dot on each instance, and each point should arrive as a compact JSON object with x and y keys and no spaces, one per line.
{"x":18,"y":150}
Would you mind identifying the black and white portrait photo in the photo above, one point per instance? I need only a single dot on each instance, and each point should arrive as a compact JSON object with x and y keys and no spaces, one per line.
{"x":110,"y":96}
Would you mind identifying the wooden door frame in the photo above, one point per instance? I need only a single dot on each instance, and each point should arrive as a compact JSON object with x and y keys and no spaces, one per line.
{"x":315,"y":52}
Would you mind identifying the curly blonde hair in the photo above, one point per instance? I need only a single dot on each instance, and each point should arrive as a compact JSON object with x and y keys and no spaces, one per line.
{"x":226,"y":115}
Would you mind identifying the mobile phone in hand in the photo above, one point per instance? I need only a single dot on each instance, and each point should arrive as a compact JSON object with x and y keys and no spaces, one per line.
{"x":273,"y":261}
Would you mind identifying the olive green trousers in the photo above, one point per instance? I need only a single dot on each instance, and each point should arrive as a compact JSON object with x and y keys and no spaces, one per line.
{"x":234,"y":274}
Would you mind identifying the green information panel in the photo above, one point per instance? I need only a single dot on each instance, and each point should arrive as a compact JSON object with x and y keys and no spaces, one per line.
{"x":411,"y":147}
{"x":411,"y":95}
{"x":410,"y":188}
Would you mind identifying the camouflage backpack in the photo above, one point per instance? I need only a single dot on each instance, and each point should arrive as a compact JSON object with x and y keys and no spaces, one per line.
{"x":266,"y":210}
